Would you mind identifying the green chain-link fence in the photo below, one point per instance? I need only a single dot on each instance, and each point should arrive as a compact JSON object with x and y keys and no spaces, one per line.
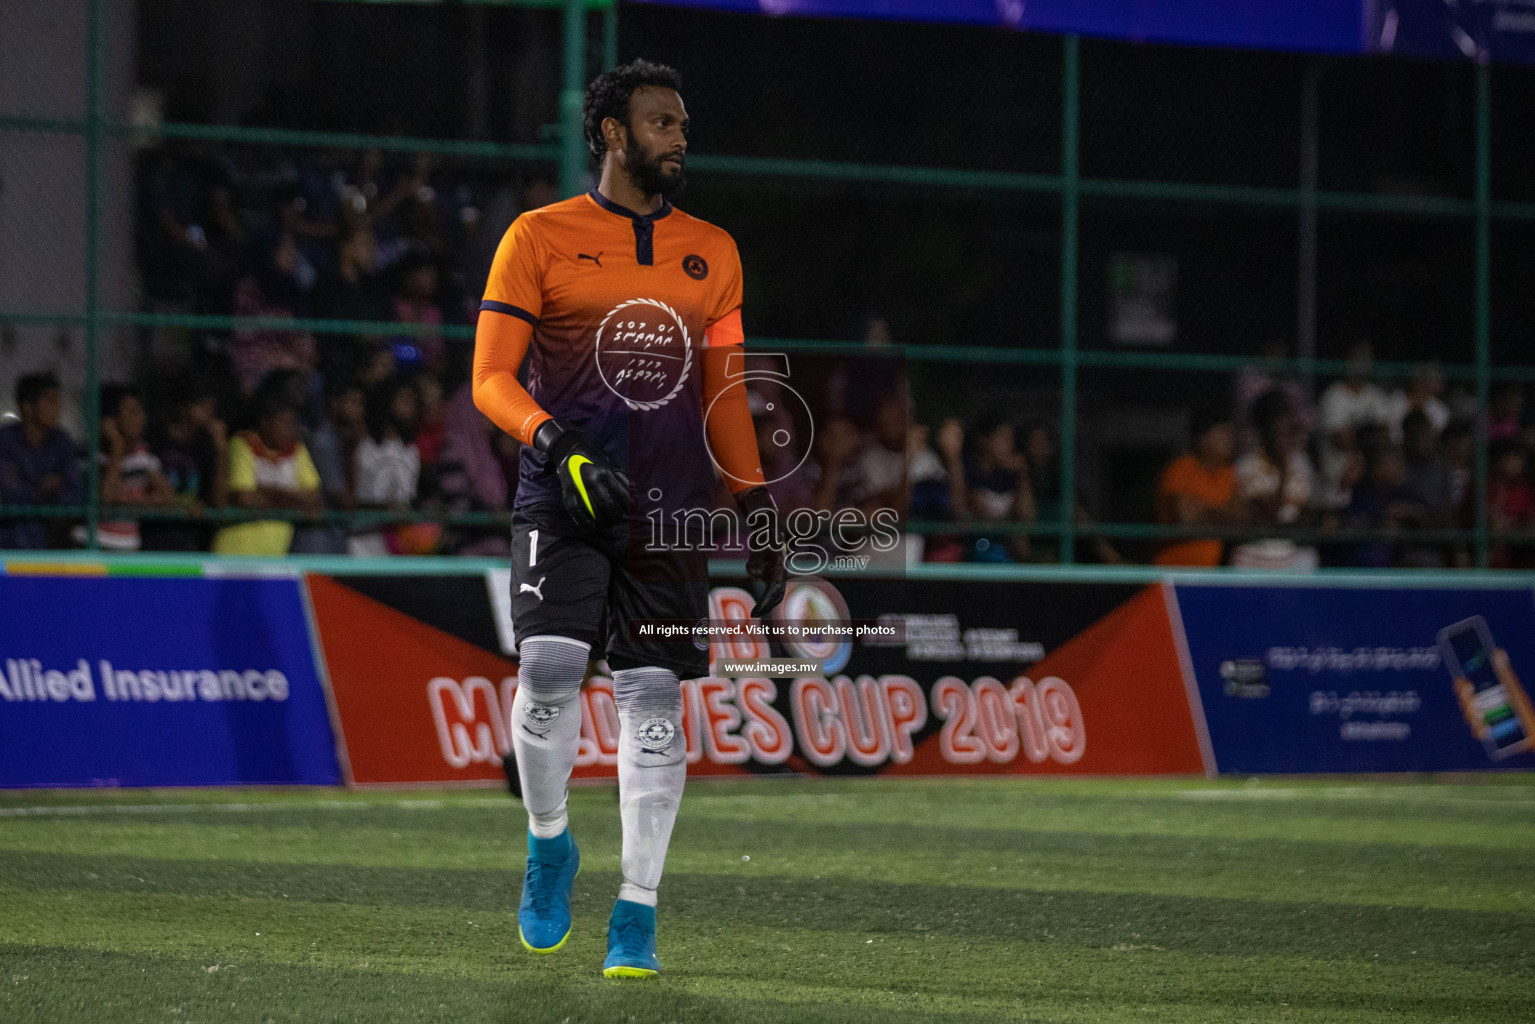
{"x":1248,"y":176}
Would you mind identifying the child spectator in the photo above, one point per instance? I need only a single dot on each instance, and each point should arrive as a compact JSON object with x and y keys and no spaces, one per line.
{"x":192,"y":446}
{"x":389,"y":468}
{"x":1275,"y":483}
{"x":130,"y":472}
{"x":1200,"y":488}
{"x":333,"y":447}
{"x":269,"y":468}
{"x":39,"y":463}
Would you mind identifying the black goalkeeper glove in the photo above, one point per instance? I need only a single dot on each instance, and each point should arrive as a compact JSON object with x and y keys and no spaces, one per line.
{"x":595,"y":494}
{"x":767,"y":561}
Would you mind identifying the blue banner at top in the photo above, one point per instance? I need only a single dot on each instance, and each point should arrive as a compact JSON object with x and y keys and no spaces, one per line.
{"x":1311,"y":26}
{"x":1500,"y":31}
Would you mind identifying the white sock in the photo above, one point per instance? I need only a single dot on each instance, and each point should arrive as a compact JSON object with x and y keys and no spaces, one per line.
{"x":546,"y":727}
{"x":652,"y":767}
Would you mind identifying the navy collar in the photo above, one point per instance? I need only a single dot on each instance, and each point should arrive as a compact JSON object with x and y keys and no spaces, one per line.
{"x":623,"y":211}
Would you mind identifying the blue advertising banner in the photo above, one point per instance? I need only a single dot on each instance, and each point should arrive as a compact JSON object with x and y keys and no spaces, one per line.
{"x":1312,"y":679}
{"x":159,"y":682}
{"x":1312,"y":26}
{"x":1501,"y":31}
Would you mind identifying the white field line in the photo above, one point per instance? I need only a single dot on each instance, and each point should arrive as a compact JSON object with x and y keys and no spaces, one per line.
{"x":85,"y":810}
{"x":1417,"y":794}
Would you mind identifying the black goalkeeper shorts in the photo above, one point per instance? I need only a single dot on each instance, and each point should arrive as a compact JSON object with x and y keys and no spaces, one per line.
{"x":591,"y":585}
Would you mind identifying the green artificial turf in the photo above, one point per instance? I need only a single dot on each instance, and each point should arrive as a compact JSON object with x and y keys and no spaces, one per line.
{"x":795,"y":901}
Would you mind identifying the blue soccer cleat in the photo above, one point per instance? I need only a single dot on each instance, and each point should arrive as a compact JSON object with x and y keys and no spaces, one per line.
{"x":631,"y":942}
{"x":543,"y":919}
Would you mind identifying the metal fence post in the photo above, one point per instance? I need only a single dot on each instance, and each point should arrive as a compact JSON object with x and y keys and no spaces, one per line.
{"x":94,"y":133}
{"x":1070,"y":192}
{"x":610,"y":36}
{"x":572,"y":140}
{"x":1483,"y":300}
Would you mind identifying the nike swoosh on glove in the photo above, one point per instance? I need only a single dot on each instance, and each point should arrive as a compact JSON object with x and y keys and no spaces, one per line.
{"x":766,"y":561}
{"x":595,"y":494}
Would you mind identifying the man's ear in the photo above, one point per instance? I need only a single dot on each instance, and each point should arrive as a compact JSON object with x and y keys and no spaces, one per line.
{"x":614,"y":133}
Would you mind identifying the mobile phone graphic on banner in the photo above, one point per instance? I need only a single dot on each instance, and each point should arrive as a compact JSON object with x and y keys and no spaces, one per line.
{"x":1491,"y":696}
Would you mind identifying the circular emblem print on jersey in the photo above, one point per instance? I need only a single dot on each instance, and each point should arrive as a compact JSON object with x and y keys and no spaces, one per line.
{"x":655,"y":735}
{"x":643,"y":354}
{"x":696,"y":267}
{"x":701,"y":635}
{"x":541,"y":716}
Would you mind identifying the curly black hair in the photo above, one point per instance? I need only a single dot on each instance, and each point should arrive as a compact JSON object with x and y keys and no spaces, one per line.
{"x":608,"y":96}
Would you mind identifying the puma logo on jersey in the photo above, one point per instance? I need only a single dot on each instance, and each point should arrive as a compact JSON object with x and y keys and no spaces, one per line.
{"x":528,"y":588}
{"x":597,"y":259}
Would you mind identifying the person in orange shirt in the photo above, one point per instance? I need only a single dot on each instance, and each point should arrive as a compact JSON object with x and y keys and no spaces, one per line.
{"x":628,"y":312}
{"x":1200,"y":488}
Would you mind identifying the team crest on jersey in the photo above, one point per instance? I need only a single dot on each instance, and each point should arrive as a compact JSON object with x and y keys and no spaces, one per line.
{"x":643,"y":355}
{"x":655,"y":735}
{"x":696,"y":267}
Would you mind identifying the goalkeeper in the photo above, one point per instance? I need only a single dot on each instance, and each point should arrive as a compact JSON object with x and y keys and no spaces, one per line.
{"x":628,"y":312}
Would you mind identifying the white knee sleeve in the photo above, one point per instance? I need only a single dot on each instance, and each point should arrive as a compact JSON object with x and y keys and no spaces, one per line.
{"x":652,"y":768}
{"x":546,"y":726}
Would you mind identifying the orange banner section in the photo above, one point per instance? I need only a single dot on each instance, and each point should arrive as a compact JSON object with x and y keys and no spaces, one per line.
{"x":418,"y":704}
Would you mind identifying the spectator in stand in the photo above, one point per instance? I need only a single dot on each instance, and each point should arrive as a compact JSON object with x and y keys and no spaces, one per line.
{"x":130,"y":472}
{"x":1422,"y":394}
{"x":997,"y":490}
{"x":834,"y":473}
{"x":192,"y":446}
{"x":1256,"y":380}
{"x":431,"y":415}
{"x":1200,"y":488}
{"x":470,"y":476}
{"x":415,"y":302}
{"x":881,"y":466}
{"x":1459,"y":454}
{"x":1275,"y":484}
{"x":1510,"y":503}
{"x":1382,"y":502}
{"x":1044,"y":456}
{"x":277,"y":286}
{"x":937,"y":480}
{"x":269,"y":468}
{"x":389,"y":467}
{"x":1427,"y":483}
{"x":333,"y":447}
{"x":190,"y":238}
{"x":39,"y":462}
{"x":1348,"y":407}
{"x":1505,"y":417}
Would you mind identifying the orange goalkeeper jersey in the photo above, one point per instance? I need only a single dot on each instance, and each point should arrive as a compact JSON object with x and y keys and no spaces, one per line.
{"x":622,"y":307}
